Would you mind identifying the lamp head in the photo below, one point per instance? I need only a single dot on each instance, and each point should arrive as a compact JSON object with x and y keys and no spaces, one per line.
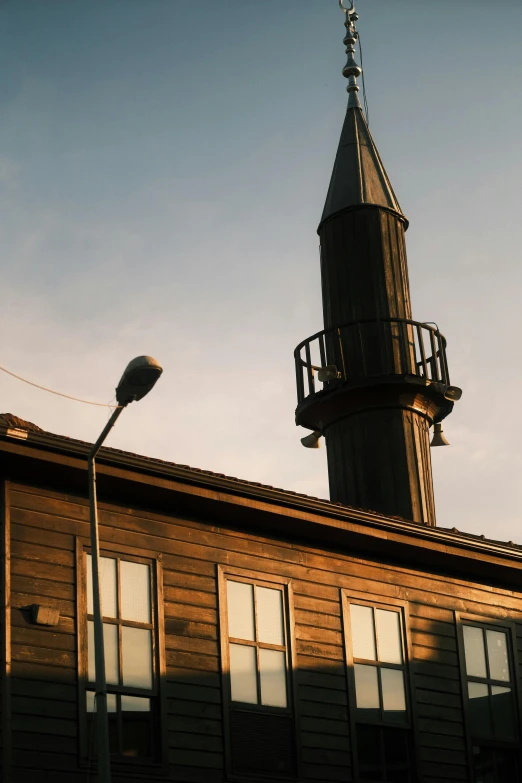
{"x":439,"y":439}
{"x":138,"y":379}
{"x":312,"y":441}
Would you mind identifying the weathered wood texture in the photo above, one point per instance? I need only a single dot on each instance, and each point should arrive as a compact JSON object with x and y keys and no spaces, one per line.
{"x":44,"y":699}
{"x":5,"y":634}
{"x":380,"y":459}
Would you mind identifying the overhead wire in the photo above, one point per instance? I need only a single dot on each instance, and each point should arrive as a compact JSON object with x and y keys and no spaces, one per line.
{"x":52,"y":391}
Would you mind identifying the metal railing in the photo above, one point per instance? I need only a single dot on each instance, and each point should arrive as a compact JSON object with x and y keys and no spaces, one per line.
{"x":371,"y":348}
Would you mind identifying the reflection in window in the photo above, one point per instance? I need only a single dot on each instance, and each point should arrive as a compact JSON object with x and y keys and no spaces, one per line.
{"x":377,"y":648}
{"x":491,"y":706}
{"x":257,"y":644}
{"x":128,"y":633}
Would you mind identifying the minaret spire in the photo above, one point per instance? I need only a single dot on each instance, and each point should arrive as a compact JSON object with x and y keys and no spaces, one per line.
{"x":373,"y":381}
{"x":359,"y":176}
{"x":351,"y":70}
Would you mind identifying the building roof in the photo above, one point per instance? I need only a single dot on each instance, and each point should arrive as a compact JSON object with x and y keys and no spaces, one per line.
{"x":15,"y":427}
{"x":14,"y":422}
{"x":359,"y":177}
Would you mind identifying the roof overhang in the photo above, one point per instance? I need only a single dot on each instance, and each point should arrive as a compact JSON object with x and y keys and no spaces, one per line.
{"x":60,"y":463}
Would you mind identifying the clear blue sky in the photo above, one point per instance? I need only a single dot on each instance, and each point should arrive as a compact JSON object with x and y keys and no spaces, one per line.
{"x":163,"y":168}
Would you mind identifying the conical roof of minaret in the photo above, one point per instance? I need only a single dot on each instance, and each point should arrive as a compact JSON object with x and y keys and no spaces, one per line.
{"x":359,"y":177}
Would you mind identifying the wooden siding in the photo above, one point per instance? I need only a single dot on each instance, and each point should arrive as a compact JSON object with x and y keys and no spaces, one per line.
{"x":44,"y":527}
{"x":5,"y":635}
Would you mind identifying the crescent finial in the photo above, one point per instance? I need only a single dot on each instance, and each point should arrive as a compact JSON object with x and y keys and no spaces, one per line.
{"x":347,"y":10}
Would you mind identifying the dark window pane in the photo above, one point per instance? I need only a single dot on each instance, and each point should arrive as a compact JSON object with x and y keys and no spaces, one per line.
{"x":91,"y":723}
{"x":136,"y":726}
{"x":479,"y":715}
{"x":262,"y":744}
{"x":484,"y":765}
{"x":474,"y":651}
{"x":503,"y":713}
{"x":369,"y":753}
{"x":507,"y":767}
{"x":397,"y":756}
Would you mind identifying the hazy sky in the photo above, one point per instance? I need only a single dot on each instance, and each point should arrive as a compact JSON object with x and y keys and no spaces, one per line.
{"x":163,"y":169}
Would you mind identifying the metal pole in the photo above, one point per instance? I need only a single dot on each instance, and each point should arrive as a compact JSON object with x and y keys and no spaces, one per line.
{"x":102,"y":719}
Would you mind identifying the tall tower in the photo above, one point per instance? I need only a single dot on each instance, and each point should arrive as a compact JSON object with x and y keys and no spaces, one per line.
{"x":373,"y":381}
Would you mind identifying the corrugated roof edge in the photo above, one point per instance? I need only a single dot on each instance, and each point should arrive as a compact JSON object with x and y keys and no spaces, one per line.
{"x":51,"y":440}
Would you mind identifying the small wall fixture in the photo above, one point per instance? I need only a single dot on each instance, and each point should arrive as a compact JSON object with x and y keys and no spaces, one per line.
{"x":439,"y":439}
{"x":312,"y":441}
{"x":45,"y":615}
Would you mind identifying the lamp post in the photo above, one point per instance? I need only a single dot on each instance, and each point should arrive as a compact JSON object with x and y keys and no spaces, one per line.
{"x":138,"y":379}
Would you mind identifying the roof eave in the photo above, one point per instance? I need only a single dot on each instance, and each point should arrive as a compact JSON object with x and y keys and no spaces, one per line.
{"x":290,"y":508}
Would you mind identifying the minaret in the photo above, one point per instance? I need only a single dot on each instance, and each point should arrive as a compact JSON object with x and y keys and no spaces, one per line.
{"x":374,"y":381}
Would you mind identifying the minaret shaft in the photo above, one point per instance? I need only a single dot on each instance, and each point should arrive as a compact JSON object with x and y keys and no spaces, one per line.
{"x":364,"y":272}
{"x":380,"y":459}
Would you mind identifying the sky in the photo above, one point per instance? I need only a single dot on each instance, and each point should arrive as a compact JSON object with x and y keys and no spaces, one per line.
{"x":163,"y":169}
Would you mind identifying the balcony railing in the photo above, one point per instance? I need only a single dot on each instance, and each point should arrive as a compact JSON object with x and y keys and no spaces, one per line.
{"x":369,"y":349}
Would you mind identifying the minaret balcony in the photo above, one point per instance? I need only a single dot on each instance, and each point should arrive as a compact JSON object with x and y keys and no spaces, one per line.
{"x":372,"y":364}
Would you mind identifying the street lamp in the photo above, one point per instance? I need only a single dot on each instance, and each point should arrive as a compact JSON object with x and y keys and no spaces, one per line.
{"x":138,"y":379}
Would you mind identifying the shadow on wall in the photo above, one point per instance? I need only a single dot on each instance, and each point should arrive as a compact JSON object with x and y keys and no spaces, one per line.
{"x":190,"y":732}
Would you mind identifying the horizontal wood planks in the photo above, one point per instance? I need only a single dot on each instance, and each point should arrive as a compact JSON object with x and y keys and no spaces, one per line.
{"x":44,"y":528}
{"x":5,"y":634}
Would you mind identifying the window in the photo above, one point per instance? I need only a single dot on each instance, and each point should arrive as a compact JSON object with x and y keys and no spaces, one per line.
{"x":490,"y":692}
{"x":491,"y":702}
{"x":130,"y":657}
{"x":376,"y":658}
{"x":256,"y":671}
{"x":257,"y":645}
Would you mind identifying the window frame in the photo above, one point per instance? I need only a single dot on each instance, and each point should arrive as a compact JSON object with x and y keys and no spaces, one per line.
{"x":488,"y":622}
{"x":158,"y":762}
{"x":225,"y":573}
{"x":411,"y":723}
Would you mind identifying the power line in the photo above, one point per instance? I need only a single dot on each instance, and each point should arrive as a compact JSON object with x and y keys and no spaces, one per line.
{"x":52,"y":391}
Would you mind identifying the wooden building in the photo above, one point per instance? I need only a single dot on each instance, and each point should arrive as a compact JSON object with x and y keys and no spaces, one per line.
{"x":254,"y":634}
{"x":429,"y":591}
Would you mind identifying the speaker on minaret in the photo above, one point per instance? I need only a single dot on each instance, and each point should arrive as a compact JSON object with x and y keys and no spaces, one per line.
{"x":374,"y":381}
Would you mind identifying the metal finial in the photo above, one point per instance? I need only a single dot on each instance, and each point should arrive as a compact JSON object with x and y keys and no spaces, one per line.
{"x":351,"y":70}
